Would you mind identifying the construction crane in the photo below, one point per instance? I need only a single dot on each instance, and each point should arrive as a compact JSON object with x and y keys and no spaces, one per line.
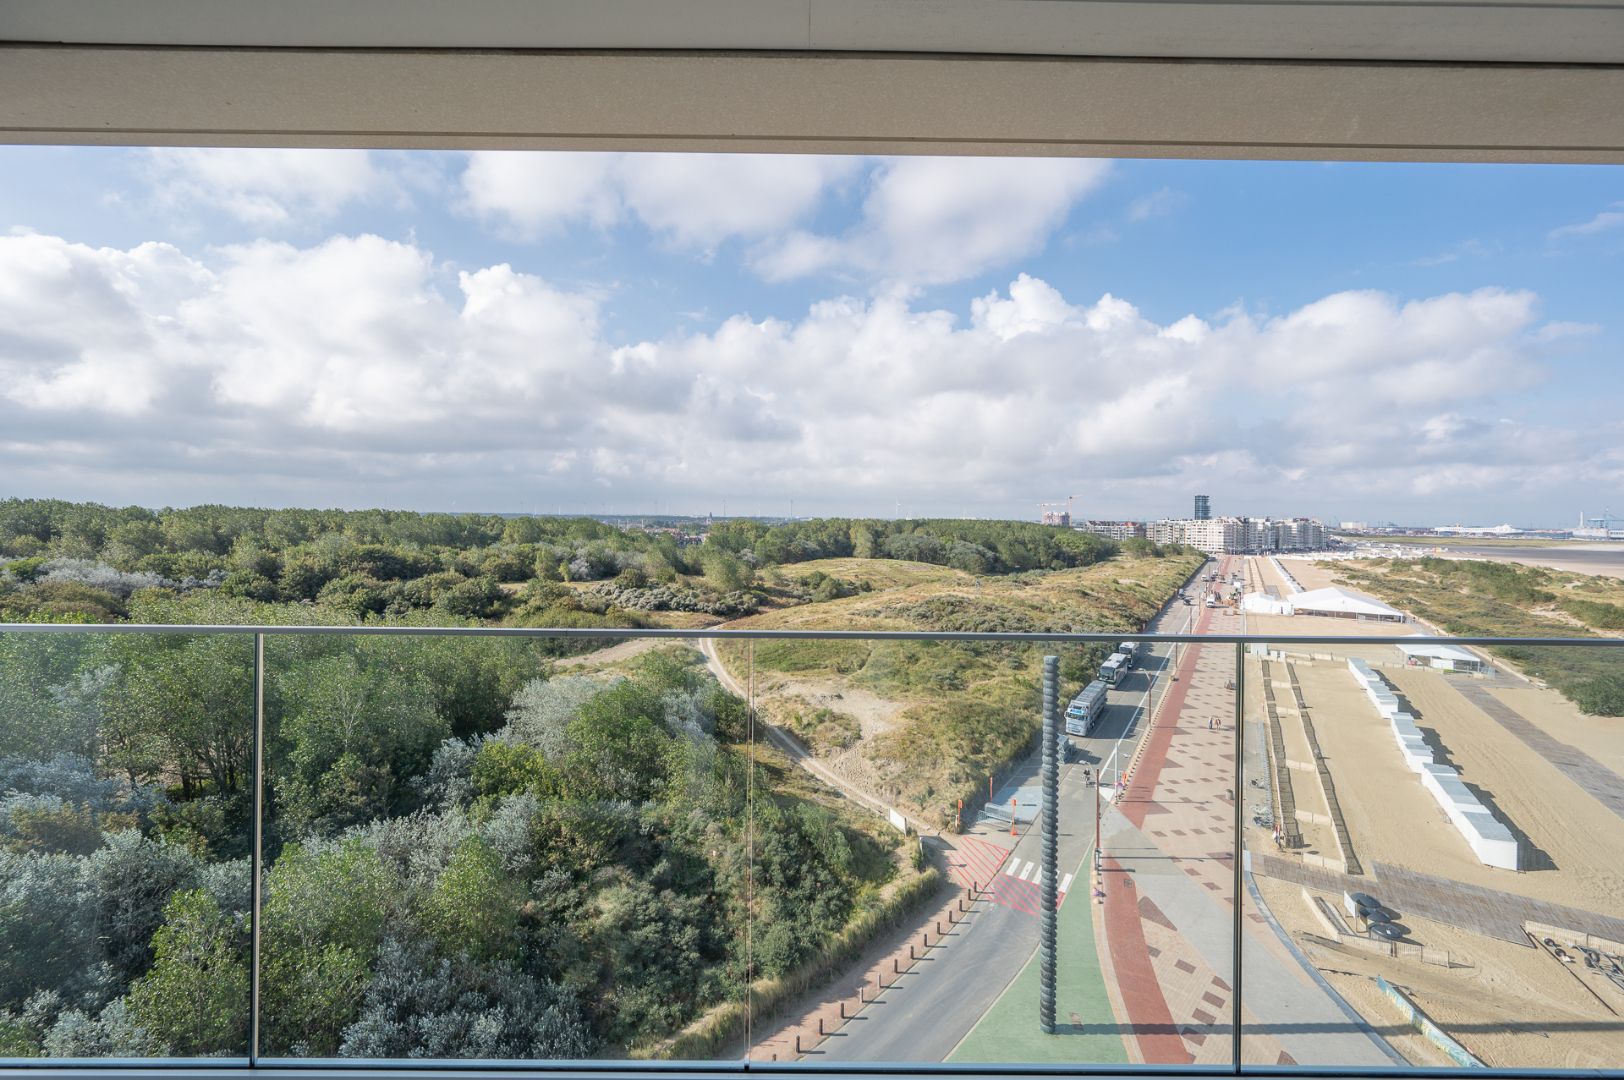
{"x":1046,"y":508}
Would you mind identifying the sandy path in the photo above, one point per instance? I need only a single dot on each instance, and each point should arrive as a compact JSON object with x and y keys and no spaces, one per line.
{"x":1310,"y":574}
{"x":1390,"y":816}
{"x":796,"y":753}
{"x":1270,"y":577}
{"x":624,"y":650}
{"x":1305,"y":784}
{"x":1602,"y":737}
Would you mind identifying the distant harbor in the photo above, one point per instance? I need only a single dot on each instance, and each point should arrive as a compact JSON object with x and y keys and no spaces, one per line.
{"x":1593,"y":558}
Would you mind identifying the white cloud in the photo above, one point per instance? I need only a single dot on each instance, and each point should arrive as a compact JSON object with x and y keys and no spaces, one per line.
{"x":535,"y":192}
{"x":1602,"y":222}
{"x":695,"y":200}
{"x":932,"y":220}
{"x":922,"y":221}
{"x":702,"y":199}
{"x":1159,"y":203}
{"x":1561,"y":331}
{"x":361,"y":370}
{"x":264,"y":188}
{"x":1472,"y":249}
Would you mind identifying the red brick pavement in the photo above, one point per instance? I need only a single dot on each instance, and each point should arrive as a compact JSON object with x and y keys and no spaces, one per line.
{"x":1136,"y":982}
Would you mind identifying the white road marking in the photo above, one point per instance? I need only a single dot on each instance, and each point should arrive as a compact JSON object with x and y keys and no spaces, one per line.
{"x":1028,"y":871}
{"x":1065,"y":883}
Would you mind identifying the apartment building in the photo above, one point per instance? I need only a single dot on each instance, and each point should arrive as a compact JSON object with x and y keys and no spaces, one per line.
{"x":1114,"y":530}
{"x":1239,"y":535}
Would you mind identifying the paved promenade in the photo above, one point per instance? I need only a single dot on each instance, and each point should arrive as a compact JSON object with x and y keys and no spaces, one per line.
{"x":1168,"y":914}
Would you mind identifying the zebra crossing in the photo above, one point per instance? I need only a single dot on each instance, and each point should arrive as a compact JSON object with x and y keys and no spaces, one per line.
{"x":1020,"y":886}
{"x":1003,"y":878}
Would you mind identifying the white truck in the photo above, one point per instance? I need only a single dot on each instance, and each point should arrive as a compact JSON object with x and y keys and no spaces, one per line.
{"x":1130,"y":649}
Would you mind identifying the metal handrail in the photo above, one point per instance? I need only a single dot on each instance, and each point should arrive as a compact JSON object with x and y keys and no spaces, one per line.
{"x":747,"y":634}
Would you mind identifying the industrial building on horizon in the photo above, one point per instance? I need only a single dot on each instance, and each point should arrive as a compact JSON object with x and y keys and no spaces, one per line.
{"x":1591,"y":527}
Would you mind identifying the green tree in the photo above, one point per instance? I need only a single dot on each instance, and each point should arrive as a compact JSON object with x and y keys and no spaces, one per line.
{"x":195,"y":998}
{"x":617,"y":745}
{"x":352,"y":732}
{"x":504,"y":768}
{"x":473,"y":908}
{"x":191,"y":696}
{"x":725,"y":571}
{"x":325,"y":910}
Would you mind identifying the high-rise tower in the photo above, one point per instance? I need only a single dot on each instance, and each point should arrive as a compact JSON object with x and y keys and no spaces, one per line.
{"x":1203,"y":508}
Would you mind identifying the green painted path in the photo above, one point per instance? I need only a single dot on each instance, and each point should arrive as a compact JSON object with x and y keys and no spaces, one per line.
{"x":1009,"y":1030}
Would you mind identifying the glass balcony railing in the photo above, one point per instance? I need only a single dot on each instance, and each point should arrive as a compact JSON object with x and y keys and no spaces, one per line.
{"x":792,"y":849}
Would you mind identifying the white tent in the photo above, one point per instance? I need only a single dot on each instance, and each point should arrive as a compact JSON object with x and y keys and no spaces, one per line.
{"x":1447,"y":657}
{"x":1342,"y":604}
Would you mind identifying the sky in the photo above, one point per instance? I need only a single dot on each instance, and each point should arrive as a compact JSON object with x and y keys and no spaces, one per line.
{"x":774,"y":334}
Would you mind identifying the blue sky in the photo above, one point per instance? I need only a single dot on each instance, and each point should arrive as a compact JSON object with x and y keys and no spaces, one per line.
{"x":1426,"y":343}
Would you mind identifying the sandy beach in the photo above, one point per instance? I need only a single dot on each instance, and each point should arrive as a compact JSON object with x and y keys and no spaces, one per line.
{"x":1511,"y":1005}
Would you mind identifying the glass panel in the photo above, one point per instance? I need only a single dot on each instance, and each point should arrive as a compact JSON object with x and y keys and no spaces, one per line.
{"x":1166,"y":920}
{"x":833,"y":877}
{"x":475,"y":852}
{"x":124,"y":838}
{"x":1444,"y":888}
{"x":948,"y":966}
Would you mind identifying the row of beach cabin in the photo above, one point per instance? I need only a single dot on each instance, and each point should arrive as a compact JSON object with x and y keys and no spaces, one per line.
{"x":1489,"y":839}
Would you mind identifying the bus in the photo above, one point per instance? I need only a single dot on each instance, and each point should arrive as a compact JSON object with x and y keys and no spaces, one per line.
{"x":1115,"y":669}
{"x":1130,"y":649}
{"x":1085,"y":709}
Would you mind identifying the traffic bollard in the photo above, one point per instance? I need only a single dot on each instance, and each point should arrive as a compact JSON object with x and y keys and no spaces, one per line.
{"x":843,"y":1010}
{"x":820,"y":1025}
{"x":797,"y":1044}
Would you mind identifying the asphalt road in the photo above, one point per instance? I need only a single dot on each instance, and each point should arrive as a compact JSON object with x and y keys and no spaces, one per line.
{"x":930,"y":1010}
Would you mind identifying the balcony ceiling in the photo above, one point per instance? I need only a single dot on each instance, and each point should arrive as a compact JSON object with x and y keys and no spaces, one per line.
{"x":1474,"y":80}
{"x":1523,"y":31}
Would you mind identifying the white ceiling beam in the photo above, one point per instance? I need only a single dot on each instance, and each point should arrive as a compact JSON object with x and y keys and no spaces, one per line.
{"x":813,"y":103}
{"x":1522,"y":31}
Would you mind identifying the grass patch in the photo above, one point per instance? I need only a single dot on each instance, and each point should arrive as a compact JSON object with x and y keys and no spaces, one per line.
{"x":801,"y":657}
{"x":1488,"y":599}
{"x":823,"y":730}
{"x":964,"y":710}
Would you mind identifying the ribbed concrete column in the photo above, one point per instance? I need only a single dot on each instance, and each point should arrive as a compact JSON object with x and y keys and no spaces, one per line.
{"x":1051,"y":839}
